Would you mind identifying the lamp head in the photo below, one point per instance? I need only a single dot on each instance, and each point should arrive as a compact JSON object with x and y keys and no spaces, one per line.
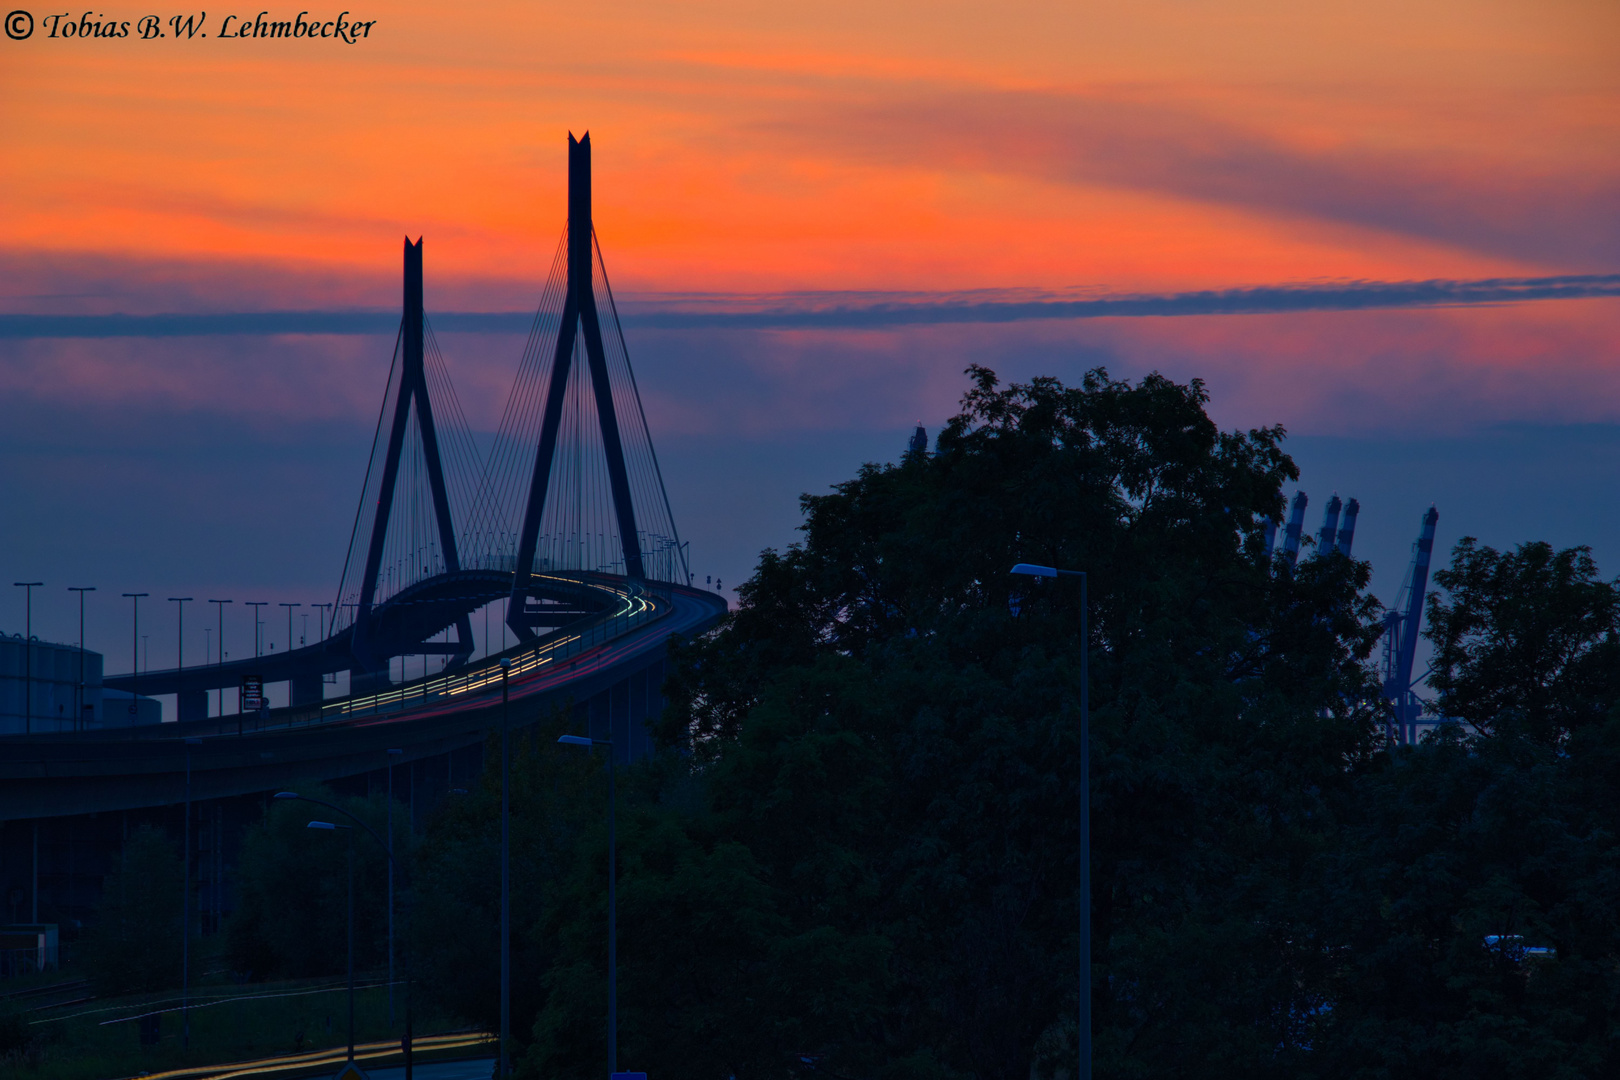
{"x":321,"y":825}
{"x":574,"y":740}
{"x":288,"y":795}
{"x":1031,"y":570}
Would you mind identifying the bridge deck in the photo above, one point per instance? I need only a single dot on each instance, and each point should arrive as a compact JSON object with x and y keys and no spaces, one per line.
{"x":54,"y":775}
{"x":447,"y":595}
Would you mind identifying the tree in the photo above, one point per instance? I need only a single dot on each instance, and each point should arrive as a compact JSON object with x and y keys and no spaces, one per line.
{"x":556,"y":801}
{"x":882,"y":768}
{"x":134,"y":944}
{"x":1527,"y":641}
{"x":1461,"y":838}
{"x":1506,"y":828}
{"x":292,"y":890}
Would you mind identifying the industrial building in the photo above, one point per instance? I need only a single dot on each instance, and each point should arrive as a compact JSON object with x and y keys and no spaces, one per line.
{"x":46,"y":687}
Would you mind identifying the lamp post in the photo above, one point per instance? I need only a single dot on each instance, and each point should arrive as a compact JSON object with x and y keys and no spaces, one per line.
{"x":78,"y":703}
{"x":257,"y":652}
{"x":391,"y":862}
{"x":326,"y":621}
{"x":613,"y":915}
{"x":28,"y":588}
{"x":392,"y":754}
{"x":135,"y":653}
{"x":350,"y":830}
{"x":256,"y":605}
{"x":289,"y":608}
{"x":180,"y":603}
{"x":506,"y":880}
{"x":1031,"y":570}
{"x":219,"y":606}
{"x":185,"y":915}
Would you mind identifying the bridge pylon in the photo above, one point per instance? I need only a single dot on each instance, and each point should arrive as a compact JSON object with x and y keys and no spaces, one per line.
{"x":579,"y":317}
{"x":372,"y":654}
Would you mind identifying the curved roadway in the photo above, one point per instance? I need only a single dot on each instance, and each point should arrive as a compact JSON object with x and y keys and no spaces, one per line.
{"x":47,"y":776}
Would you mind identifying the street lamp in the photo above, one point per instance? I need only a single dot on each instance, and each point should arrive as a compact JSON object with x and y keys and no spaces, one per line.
{"x":185,"y":914}
{"x":180,"y":603}
{"x":289,"y":608}
{"x":256,"y":605}
{"x":613,"y":915}
{"x":257,"y":652}
{"x":392,"y":754}
{"x":350,"y":830}
{"x":79,"y":701}
{"x":506,"y":881}
{"x":1031,"y":570}
{"x":392,"y":863}
{"x":28,"y":588}
{"x":219,"y":606}
{"x":135,"y":653}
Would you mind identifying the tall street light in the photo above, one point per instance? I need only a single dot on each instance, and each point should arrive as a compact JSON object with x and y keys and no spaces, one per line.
{"x":219,"y":606}
{"x":350,"y":830}
{"x":1031,"y":570}
{"x":28,"y":588}
{"x":78,"y":703}
{"x":185,"y":914}
{"x":391,"y":861}
{"x":392,"y":754}
{"x":256,"y":605}
{"x":613,"y":914}
{"x":135,"y":653}
{"x":506,"y":880}
{"x":179,"y":603}
{"x":289,"y":608}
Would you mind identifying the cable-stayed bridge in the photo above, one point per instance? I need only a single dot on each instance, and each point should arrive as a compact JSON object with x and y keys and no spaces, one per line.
{"x":560,"y":522}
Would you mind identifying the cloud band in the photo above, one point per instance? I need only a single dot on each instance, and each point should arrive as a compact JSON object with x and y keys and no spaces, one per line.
{"x":852,"y":311}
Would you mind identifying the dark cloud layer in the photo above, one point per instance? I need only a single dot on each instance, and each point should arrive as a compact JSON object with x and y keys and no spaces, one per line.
{"x":850,"y":311}
{"x":1501,"y":206}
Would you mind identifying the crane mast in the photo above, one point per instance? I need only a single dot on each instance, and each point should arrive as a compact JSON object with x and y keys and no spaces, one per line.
{"x":1401,"y":626}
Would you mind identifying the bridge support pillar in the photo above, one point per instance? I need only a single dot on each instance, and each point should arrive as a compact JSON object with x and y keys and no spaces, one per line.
{"x":306,"y":689}
{"x":192,"y":705}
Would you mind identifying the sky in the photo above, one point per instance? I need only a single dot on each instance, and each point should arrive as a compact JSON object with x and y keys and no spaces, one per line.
{"x":1391,"y":227}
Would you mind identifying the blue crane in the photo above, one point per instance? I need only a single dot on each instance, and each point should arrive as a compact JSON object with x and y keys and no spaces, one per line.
{"x":1347,"y":526}
{"x":1336,"y":534}
{"x":1327,"y":536}
{"x":1401,"y":626}
{"x":1296,"y":527}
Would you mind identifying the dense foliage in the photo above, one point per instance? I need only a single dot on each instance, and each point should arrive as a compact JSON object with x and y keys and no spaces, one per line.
{"x":134,"y":943}
{"x":860,"y":858}
{"x":1527,"y":642}
{"x":292,"y":889}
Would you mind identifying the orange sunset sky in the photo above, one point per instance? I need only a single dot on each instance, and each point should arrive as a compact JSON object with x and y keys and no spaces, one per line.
{"x":845,"y":145}
{"x":834,"y":152}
